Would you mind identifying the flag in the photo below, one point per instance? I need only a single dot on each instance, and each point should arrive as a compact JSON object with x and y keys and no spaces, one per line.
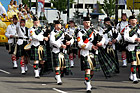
{"x":42,"y":1}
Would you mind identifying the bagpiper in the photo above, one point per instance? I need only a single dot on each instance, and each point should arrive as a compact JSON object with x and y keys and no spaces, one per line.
{"x":38,"y":50}
{"x":111,"y":36}
{"x":131,"y":36}
{"x":85,"y":38}
{"x":73,"y":51}
{"x":60,"y":42}
{"x":11,"y":34}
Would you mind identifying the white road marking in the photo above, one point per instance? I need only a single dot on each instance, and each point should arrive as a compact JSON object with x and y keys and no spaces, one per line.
{"x":4,"y":71}
{"x":60,"y":91}
{"x":43,"y":84}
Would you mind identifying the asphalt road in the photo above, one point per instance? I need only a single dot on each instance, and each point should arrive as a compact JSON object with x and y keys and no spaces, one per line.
{"x":11,"y":81}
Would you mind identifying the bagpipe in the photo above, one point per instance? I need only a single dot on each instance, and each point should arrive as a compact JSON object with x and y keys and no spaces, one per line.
{"x":107,"y":63}
{"x":67,"y":37}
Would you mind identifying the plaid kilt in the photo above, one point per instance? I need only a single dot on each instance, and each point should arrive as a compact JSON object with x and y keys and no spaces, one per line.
{"x":66,"y":70}
{"x":107,"y":63}
{"x":20,"y":50}
{"x":84,"y":63}
{"x":97,"y":64}
{"x":35,"y":55}
{"x":55,"y":60}
{"x":48,"y":65}
{"x":74,"y":51}
{"x":132,"y":56}
{"x":12,"y":47}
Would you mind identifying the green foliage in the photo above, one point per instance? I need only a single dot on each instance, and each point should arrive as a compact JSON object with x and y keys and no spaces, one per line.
{"x":61,"y":5}
{"x":99,"y":6}
{"x":109,"y":7}
{"x":26,"y":2}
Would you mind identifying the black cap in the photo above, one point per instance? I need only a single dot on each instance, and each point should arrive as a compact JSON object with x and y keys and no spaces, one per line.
{"x":86,"y":19}
{"x":107,"y":19}
{"x":56,"y":22}
{"x":71,"y":21}
{"x":23,"y":20}
{"x":123,"y":14}
{"x":132,"y":17}
{"x":15,"y":17}
{"x":35,"y":18}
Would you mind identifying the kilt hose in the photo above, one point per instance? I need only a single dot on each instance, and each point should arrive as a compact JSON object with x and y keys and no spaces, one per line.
{"x":20,"y":50}
{"x":35,"y":54}
{"x":64,"y":67}
{"x":107,"y":63}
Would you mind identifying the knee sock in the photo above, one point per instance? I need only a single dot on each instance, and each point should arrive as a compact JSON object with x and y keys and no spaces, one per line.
{"x":87,"y":77}
{"x":57,"y":72}
{"x":133,"y":69}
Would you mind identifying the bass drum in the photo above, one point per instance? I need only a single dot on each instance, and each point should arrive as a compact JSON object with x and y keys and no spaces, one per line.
{"x":27,"y":48}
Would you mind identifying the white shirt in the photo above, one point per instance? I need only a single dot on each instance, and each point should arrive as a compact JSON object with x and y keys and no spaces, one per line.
{"x":11,"y":30}
{"x":130,"y":47}
{"x":84,"y":52}
{"x":36,"y":38}
{"x":57,"y":43}
{"x":108,"y":37}
{"x":71,"y":31}
{"x":121,"y":25}
{"x":21,"y":34}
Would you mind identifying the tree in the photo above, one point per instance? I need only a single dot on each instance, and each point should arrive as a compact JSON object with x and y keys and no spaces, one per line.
{"x":26,"y":2}
{"x":100,"y":7}
{"x":109,"y":7}
{"x":61,"y":5}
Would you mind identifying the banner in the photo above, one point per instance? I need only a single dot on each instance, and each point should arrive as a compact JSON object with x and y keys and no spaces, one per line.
{"x":42,"y":1}
{"x":136,"y":4}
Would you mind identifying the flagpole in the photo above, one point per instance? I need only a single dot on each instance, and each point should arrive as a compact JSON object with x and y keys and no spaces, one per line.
{"x":36,"y":6}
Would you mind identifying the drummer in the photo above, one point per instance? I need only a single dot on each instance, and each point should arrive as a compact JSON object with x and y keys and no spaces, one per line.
{"x":23,"y":35}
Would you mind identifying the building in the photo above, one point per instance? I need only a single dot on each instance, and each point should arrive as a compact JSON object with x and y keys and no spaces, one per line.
{"x":82,"y":5}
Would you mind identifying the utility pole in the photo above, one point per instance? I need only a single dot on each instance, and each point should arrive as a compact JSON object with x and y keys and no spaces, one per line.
{"x":30,"y":4}
{"x":84,"y":5}
{"x":68,"y":8}
{"x":36,"y":6}
{"x":116,"y":13}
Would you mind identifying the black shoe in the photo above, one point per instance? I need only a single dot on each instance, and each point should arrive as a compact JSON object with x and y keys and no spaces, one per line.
{"x":130,"y":79}
{"x":23,"y":73}
{"x":135,"y":82}
{"x":37,"y":77}
{"x":72,"y":66}
{"x":88,"y":91}
{"x":124,"y":66}
{"x":59,"y":83}
{"x":15,"y":67}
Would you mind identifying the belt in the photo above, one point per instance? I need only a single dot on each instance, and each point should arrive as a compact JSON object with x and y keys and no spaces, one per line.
{"x":23,"y":38}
